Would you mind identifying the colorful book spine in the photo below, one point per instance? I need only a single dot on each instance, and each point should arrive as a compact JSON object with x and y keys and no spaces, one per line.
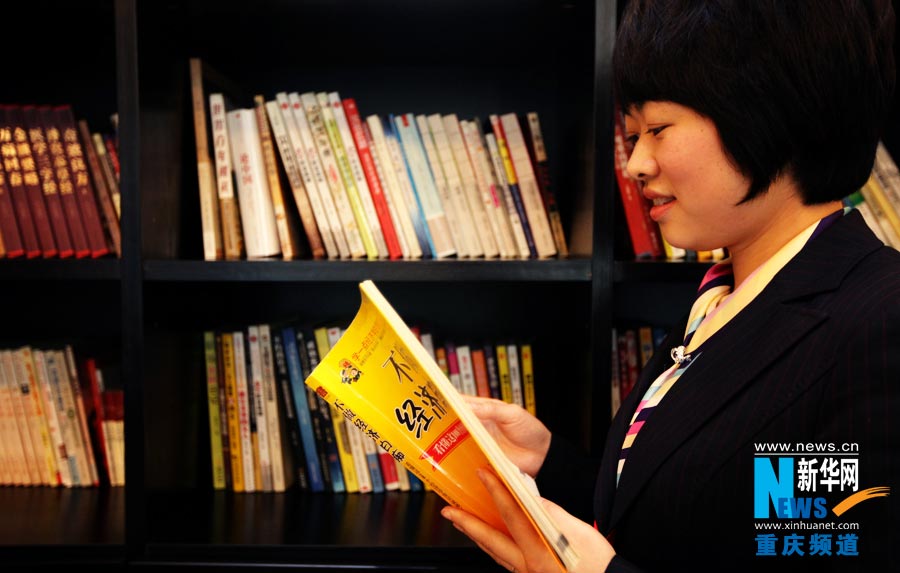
{"x":527,"y":367}
{"x":104,"y":196}
{"x":15,"y":183}
{"x":283,"y":227}
{"x":512,"y":182}
{"x":446,"y":179}
{"x":213,"y":413}
{"x":541,"y":164}
{"x":506,"y":393}
{"x":297,"y":457}
{"x":334,"y":475}
{"x":499,"y":172}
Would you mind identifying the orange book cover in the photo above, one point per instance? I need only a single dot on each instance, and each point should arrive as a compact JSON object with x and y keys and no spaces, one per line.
{"x":379,"y":376}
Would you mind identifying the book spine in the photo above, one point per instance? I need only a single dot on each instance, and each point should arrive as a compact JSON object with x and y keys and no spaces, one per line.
{"x":257,"y":213}
{"x":222,"y":393}
{"x":527,"y":366}
{"x":373,"y":182}
{"x":301,"y":198}
{"x":512,"y":182}
{"x":108,"y":213}
{"x":244,"y":411}
{"x":65,"y":181}
{"x":541,"y":165}
{"x":490,"y":194}
{"x":358,"y":177}
{"x":442,"y":183}
{"x":515,"y":374}
{"x":490,"y":361}
{"x":9,"y":227}
{"x":15,"y":182}
{"x":212,"y":404}
{"x":423,"y":183}
{"x":273,"y":416}
{"x":34,"y":410}
{"x":233,"y":399}
{"x":404,"y":179}
{"x":64,"y":403}
{"x":332,"y":467}
{"x":466,"y":373}
{"x":512,"y":212}
{"x":292,"y":425}
{"x":316,"y":115}
{"x":57,"y":443}
{"x":32,"y":183}
{"x":270,"y":167}
{"x":340,"y":428}
{"x":12,"y":438}
{"x":479,"y":369}
{"x":506,"y":393}
{"x":209,"y":208}
{"x":316,"y":180}
{"x":531,"y":195}
{"x":83,"y":189}
{"x":406,"y":230}
{"x":67,"y":355}
{"x":32,"y":474}
{"x":320,"y":218}
{"x":260,"y":413}
{"x":110,"y":172}
{"x":453,"y":368}
{"x":301,"y":407}
{"x":230,"y":216}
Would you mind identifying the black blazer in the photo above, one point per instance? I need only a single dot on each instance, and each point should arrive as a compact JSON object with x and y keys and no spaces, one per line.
{"x":815,"y":358}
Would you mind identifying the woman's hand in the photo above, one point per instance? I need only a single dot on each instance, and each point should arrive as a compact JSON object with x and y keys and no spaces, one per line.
{"x":521,"y":436}
{"x":523,"y":550}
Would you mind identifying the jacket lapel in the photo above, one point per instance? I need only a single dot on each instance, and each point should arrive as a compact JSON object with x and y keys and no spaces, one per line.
{"x":772,"y":324}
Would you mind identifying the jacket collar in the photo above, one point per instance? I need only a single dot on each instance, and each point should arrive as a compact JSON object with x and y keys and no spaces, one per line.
{"x":732,"y":359}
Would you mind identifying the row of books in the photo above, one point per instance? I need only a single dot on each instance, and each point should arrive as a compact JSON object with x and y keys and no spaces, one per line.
{"x":408,"y":186}
{"x":269,"y":431}
{"x":632,"y":347}
{"x":878,"y":201}
{"x":57,"y":421}
{"x":59,"y":185}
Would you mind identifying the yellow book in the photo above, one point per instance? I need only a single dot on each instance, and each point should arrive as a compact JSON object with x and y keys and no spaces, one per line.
{"x":212,"y":399}
{"x":380,"y":376}
{"x":503,"y":369}
{"x":234,"y":425}
{"x":528,"y":378}
{"x":323,"y":344}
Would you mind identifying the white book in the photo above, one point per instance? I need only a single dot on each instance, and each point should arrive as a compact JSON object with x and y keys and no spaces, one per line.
{"x":470,"y":237}
{"x":312,"y":171}
{"x":259,"y":409}
{"x":441,"y":182}
{"x":315,"y":116}
{"x":473,"y":193}
{"x":69,"y":356}
{"x":360,"y":463}
{"x":427,"y":341}
{"x":273,"y":416}
{"x":359,"y":176}
{"x":257,"y":212}
{"x":503,"y":184}
{"x":528,"y":187}
{"x":515,"y":374}
{"x":79,"y":463}
{"x":19,"y":401}
{"x":393,"y":191}
{"x":424,"y":187}
{"x":493,"y":200}
{"x":40,"y":435}
{"x":401,"y":169}
{"x":52,"y":415}
{"x":301,"y":194}
{"x":466,"y":372}
{"x":244,"y":413}
{"x":66,"y":456}
{"x":9,"y":432}
{"x":395,"y":211}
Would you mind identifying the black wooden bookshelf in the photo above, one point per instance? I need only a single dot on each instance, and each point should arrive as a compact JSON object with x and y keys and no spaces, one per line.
{"x":149,"y":307}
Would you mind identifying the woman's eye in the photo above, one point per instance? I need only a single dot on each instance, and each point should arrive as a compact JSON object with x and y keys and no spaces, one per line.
{"x":657,"y":130}
{"x":631,"y":140}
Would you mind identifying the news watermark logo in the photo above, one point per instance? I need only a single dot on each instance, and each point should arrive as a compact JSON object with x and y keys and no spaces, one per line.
{"x":801,"y":493}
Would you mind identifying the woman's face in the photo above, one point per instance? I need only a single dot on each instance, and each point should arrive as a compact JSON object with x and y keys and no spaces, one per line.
{"x":694,"y":187}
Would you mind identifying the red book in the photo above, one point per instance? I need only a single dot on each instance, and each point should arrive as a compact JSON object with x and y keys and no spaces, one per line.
{"x":9,"y":228}
{"x":104,"y":193}
{"x":15,"y":183}
{"x":642,"y":229}
{"x":358,"y":129}
{"x":49,"y":186}
{"x":87,"y":202}
{"x":112,"y":152}
{"x":30,"y":179}
{"x":64,"y":181}
{"x":94,"y":410}
{"x":479,"y":367}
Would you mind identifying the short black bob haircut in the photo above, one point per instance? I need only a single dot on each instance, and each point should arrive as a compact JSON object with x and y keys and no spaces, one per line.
{"x":798,"y":87}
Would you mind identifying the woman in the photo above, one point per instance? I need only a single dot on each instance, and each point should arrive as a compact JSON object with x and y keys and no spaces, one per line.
{"x":750,"y":120}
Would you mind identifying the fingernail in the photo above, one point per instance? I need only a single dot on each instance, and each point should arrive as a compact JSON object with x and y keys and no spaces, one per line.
{"x":447,"y":513}
{"x":481,"y":474}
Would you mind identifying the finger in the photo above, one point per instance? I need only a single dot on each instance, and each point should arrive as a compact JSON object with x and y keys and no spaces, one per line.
{"x":517,"y":522}
{"x":495,"y":543}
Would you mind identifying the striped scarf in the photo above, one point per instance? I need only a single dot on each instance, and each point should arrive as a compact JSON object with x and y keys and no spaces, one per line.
{"x":716,"y":304}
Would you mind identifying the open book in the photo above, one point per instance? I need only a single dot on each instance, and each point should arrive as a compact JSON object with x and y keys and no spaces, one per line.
{"x":381,"y":378}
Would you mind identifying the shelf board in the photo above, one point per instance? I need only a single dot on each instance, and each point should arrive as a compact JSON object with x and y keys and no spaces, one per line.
{"x":553,"y":270}
{"x":60,"y":269}
{"x":659,"y":271}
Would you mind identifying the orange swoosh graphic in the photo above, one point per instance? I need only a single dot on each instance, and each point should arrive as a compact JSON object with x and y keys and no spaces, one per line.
{"x":860,"y":496}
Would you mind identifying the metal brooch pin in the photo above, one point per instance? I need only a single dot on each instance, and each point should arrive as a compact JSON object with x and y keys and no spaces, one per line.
{"x":679,"y":356}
